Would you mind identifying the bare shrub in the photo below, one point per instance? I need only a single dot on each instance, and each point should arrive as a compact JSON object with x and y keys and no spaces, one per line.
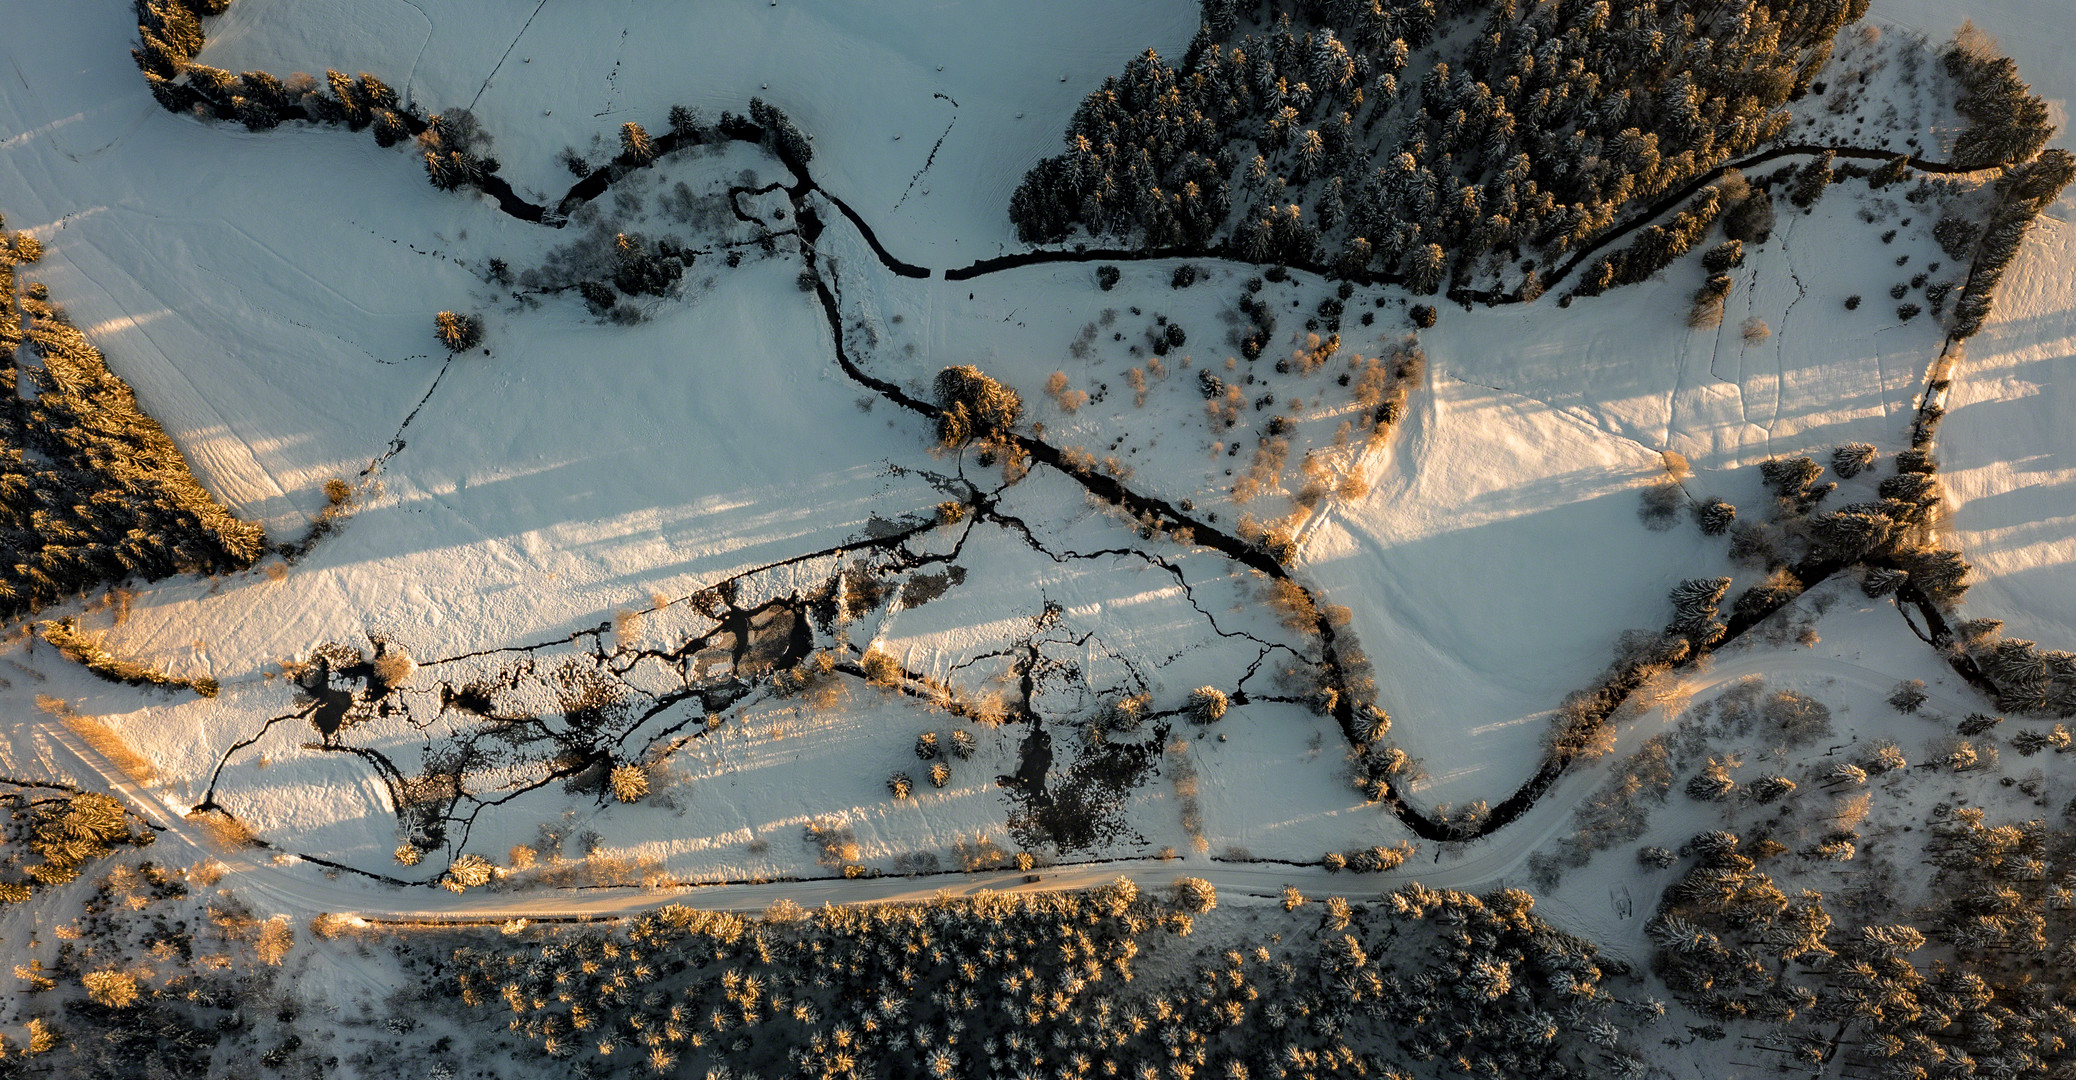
{"x":276,"y":937}
{"x":1796,"y":719}
{"x":394,"y":668}
{"x":881,"y":669}
{"x":979,"y":853}
{"x":1659,"y":508}
{"x":627,"y":627}
{"x":835,"y":843}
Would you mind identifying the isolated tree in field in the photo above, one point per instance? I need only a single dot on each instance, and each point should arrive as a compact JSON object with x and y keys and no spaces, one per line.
{"x":630,"y":782}
{"x":1207,"y":704}
{"x":899,"y":785}
{"x":1885,"y":757}
{"x":635,"y":144}
{"x":459,"y":333}
{"x":1979,"y":723}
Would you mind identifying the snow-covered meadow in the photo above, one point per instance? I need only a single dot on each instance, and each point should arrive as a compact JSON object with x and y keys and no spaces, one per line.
{"x":269,"y":296}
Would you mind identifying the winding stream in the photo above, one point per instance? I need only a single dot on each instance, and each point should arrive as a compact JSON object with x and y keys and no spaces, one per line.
{"x":1605,"y":697}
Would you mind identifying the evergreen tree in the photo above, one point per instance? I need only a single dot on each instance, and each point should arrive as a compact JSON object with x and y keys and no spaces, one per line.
{"x":458,"y":333}
{"x":635,"y":145}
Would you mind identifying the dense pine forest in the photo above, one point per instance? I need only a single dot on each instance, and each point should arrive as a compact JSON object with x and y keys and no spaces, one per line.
{"x":91,"y":489}
{"x":1446,"y":141}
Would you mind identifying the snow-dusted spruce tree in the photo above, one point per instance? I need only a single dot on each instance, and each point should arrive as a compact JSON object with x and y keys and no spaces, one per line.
{"x":1852,"y":459}
{"x":1715,"y":516}
{"x":458,"y":333}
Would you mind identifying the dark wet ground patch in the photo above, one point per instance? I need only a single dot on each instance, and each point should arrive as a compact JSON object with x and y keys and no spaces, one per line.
{"x":1083,"y":808}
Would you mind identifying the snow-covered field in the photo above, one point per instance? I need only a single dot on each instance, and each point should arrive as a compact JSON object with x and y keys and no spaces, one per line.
{"x":925,"y":115}
{"x":269,"y":297}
